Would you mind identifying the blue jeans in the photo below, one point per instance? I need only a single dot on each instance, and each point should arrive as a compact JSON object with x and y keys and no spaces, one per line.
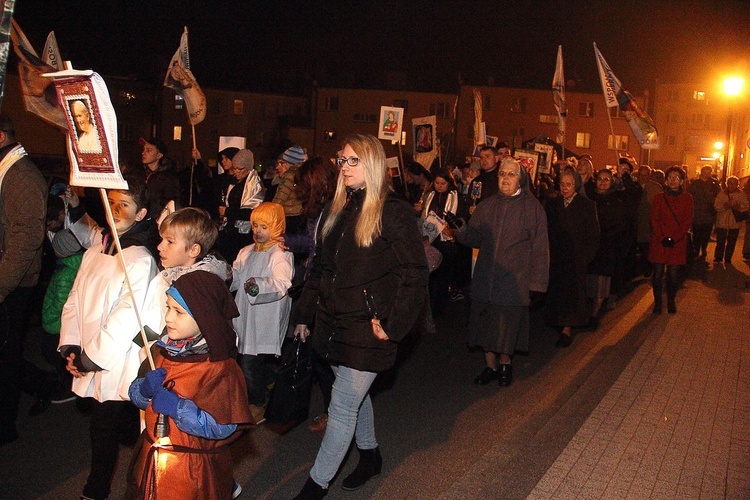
{"x":349,"y":415}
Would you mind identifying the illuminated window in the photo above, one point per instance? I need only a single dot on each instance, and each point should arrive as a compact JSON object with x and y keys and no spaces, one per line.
{"x":548,"y":118}
{"x":179,"y":102}
{"x":239,"y":107}
{"x":586,"y":109}
{"x":583,"y":140}
{"x":177,"y":134}
{"x":620,"y":141}
{"x":699,"y":95}
{"x":329,"y":136}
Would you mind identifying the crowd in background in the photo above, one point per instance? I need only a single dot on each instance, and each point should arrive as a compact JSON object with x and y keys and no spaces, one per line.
{"x":356,"y":256}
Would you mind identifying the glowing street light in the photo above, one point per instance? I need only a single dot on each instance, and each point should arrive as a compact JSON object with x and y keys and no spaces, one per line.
{"x":733,"y":85}
{"x":732,"y":88}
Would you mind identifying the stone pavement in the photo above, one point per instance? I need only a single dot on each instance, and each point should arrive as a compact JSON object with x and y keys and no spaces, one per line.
{"x":676,"y":423}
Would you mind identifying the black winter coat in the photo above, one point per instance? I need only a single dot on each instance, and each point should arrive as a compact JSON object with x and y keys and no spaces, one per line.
{"x":393,"y":269}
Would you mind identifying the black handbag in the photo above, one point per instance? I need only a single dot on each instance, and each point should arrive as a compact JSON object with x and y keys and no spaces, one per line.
{"x":289,"y":400}
{"x":740,"y":216}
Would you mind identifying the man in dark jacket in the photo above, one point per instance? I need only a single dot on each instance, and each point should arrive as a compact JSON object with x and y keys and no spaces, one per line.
{"x":23,"y":207}
{"x":704,"y":190}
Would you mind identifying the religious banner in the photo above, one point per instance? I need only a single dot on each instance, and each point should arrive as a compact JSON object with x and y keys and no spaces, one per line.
{"x":529,"y":161}
{"x":391,"y":122}
{"x":92,"y":129}
{"x":424,"y":134}
{"x":392,"y":165}
{"x":546,"y":152}
{"x":39,"y":94}
{"x":180,"y":79}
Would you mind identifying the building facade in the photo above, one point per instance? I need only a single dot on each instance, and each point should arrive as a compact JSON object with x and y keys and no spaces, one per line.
{"x":697,"y":123}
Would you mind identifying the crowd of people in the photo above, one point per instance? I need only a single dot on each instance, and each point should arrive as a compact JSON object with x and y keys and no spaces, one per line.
{"x":182,"y":307}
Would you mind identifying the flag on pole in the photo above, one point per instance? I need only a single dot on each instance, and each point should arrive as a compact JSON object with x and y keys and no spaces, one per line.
{"x":558,"y":96}
{"x":614,"y":95}
{"x":479,"y":130}
{"x":39,"y":94}
{"x":180,"y":79}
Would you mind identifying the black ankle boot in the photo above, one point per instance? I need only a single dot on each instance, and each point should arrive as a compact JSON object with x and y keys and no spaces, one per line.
{"x":657,"y":306}
{"x":671,"y":305}
{"x":505,"y":377}
{"x":370,"y":464}
{"x":311,"y":491}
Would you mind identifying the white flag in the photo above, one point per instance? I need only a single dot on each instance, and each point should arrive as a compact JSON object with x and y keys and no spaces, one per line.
{"x":558,"y":96}
{"x":610,"y":84}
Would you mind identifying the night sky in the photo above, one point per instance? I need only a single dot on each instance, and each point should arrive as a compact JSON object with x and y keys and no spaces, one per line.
{"x":284,"y":46}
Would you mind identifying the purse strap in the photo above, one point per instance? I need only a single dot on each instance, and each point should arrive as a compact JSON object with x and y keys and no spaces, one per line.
{"x":666,"y":200}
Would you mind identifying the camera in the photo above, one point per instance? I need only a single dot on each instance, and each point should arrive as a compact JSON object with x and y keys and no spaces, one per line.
{"x":668,"y":242}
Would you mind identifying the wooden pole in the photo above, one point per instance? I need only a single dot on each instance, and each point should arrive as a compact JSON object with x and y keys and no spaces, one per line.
{"x":111,"y":222}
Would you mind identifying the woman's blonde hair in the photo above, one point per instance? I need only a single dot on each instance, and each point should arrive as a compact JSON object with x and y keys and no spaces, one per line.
{"x":372,"y":159}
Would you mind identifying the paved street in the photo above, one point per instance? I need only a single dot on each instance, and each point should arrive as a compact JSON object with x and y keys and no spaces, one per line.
{"x":646,"y":406}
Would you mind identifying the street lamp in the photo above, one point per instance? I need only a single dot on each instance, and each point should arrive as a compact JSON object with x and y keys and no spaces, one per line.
{"x":732,"y":88}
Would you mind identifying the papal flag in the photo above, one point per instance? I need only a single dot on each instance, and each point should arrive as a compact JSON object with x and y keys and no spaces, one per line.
{"x":180,"y":79}
{"x":39,"y":94}
{"x":558,"y":96}
{"x":614,"y":95}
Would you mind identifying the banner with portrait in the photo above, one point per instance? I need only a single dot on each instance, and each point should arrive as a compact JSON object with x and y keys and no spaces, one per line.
{"x":529,"y":161}
{"x":391,"y":122}
{"x":92,"y":129}
{"x":546,"y":151}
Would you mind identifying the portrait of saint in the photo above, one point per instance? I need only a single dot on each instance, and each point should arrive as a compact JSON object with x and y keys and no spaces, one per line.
{"x":88,"y":139}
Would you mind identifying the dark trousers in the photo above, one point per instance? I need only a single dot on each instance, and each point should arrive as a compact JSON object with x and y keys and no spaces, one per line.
{"x":14,"y":372}
{"x":112,"y":423}
{"x":673,"y":281}
{"x":257,"y":376}
{"x":443,"y":277}
{"x":726,"y":240}
{"x":701,"y":236}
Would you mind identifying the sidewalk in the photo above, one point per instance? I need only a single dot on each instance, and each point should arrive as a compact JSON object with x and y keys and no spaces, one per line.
{"x":676,"y":423}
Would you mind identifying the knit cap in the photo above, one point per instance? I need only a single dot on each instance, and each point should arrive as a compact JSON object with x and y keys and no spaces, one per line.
{"x":65,"y":244}
{"x":294,"y":155}
{"x":244,"y":159}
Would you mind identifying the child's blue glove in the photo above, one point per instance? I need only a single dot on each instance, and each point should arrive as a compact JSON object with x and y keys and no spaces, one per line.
{"x":165,"y":402}
{"x":152,"y":381}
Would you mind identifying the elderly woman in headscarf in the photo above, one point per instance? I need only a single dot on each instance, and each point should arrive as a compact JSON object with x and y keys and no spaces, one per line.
{"x":510,"y":231}
{"x":573,"y":239}
{"x":612,"y":226}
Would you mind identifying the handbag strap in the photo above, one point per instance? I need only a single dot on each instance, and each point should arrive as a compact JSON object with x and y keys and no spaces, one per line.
{"x":670,"y":210}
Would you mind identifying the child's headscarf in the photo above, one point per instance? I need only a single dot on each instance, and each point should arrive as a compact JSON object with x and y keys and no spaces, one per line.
{"x":206,"y":297}
{"x":272,"y":215}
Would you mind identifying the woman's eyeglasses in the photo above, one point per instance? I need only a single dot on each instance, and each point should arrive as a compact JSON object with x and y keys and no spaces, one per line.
{"x":504,"y":173}
{"x":352,"y":161}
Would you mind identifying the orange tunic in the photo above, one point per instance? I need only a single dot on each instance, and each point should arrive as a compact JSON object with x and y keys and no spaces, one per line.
{"x":195,"y":467}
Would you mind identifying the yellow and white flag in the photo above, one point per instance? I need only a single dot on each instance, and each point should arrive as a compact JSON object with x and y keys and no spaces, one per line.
{"x":180,"y":79}
{"x":558,"y":96}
